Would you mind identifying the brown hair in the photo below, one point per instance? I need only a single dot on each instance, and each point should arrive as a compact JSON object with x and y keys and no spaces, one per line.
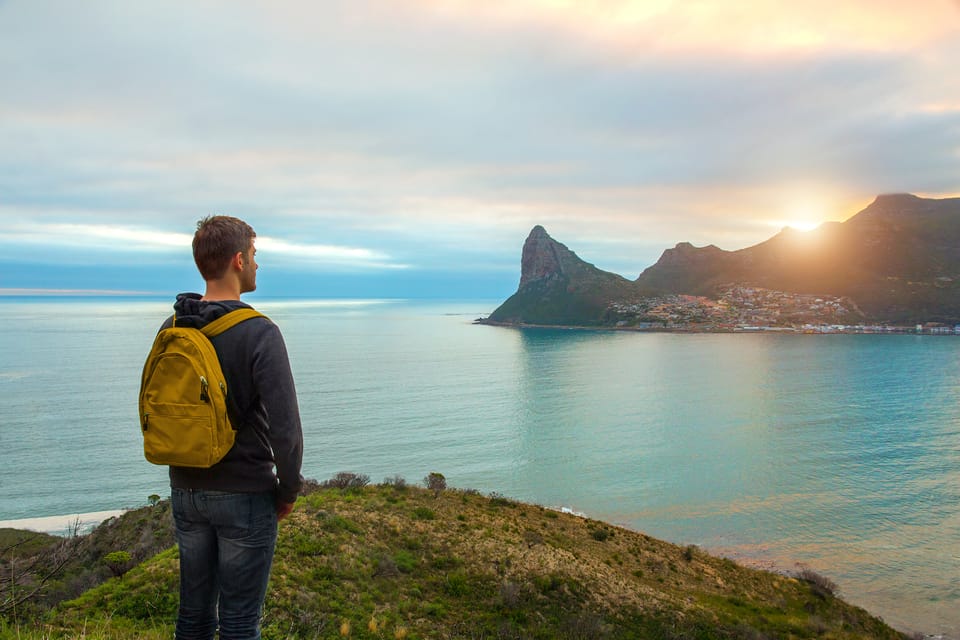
{"x":217,"y":240}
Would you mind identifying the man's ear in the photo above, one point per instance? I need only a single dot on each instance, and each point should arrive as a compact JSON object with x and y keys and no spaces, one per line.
{"x":237,"y":262}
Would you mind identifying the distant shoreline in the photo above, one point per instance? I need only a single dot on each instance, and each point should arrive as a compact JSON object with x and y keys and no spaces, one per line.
{"x":831,"y":330}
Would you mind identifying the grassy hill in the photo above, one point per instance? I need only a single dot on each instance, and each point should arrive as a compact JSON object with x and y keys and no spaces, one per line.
{"x":401,"y":562}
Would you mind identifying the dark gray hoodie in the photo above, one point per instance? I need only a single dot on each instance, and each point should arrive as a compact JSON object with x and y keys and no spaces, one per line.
{"x":261,"y":402}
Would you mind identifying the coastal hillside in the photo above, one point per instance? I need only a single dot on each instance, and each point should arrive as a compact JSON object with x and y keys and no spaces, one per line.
{"x":397,"y":561}
{"x":897,"y":262}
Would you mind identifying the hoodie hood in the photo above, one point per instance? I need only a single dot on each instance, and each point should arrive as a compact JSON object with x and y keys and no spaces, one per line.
{"x":191,"y":311}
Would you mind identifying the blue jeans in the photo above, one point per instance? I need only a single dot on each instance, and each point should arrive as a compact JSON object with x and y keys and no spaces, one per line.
{"x":226,"y":543}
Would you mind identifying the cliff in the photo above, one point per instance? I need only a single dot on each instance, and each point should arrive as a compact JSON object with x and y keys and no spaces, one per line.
{"x":557,"y":287}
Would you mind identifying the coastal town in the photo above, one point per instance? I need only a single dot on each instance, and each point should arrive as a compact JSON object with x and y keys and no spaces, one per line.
{"x":740,"y":308}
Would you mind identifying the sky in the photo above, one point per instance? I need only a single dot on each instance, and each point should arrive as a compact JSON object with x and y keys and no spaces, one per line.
{"x":405,"y":148}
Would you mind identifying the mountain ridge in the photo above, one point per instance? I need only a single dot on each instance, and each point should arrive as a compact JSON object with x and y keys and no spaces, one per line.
{"x":896,"y":262}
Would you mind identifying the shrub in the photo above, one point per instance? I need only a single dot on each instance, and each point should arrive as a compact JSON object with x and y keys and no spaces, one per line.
{"x":499,"y":500}
{"x":309,"y":485}
{"x":387,"y":567}
{"x":423,"y":513}
{"x":405,"y":561}
{"x":546,"y":584}
{"x":334,"y":523}
{"x":600,"y":535}
{"x":119,"y":562}
{"x":435,"y":482}
{"x":456,"y":585}
{"x":445,"y":562}
{"x":397,"y":482}
{"x":347,"y":481}
{"x":821,"y":586}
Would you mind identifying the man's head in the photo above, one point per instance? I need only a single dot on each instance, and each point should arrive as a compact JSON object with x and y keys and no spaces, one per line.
{"x":222,"y":245}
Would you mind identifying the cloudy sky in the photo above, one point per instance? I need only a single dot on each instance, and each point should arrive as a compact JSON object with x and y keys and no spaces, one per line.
{"x":406,"y":147}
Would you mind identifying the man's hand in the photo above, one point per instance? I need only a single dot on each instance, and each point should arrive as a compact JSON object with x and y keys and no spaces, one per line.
{"x":284,"y":509}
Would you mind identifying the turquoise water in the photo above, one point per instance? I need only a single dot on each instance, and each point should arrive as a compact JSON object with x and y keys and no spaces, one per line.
{"x":841,"y":452}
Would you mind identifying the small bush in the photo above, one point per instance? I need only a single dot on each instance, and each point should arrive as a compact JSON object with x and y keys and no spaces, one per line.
{"x":119,"y":562}
{"x":445,"y":562}
{"x":548,"y":583}
{"x":334,"y":523}
{"x":600,"y":535}
{"x":499,"y":500}
{"x":821,"y":586}
{"x":456,"y":585}
{"x":405,"y":561}
{"x":347,"y":481}
{"x":435,"y":482}
{"x":397,"y":482}
{"x":423,"y":513}
{"x":386,"y":566}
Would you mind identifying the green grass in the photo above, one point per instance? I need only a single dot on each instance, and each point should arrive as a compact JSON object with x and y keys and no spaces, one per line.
{"x":370,"y":564}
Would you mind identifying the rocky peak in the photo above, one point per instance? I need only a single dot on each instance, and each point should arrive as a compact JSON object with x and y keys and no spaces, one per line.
{"x":544,"y":257}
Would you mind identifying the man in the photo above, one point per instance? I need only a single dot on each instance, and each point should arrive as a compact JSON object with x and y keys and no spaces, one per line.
{"x":226,"y":515}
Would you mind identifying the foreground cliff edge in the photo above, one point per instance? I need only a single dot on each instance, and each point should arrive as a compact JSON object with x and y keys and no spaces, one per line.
{"x":396,"y":561}
{"x":894,"y":264}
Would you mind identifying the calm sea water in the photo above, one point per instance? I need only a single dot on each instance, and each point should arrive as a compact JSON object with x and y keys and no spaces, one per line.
{"x":838,"y":452}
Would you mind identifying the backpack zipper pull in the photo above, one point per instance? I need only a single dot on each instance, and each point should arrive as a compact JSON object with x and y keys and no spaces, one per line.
{"x":204,"y":385}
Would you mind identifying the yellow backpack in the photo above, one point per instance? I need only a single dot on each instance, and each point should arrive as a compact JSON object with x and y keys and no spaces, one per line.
{"x":183,"y":396}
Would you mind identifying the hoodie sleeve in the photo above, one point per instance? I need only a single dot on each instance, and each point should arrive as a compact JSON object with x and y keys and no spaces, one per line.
{"x":274,"y":382}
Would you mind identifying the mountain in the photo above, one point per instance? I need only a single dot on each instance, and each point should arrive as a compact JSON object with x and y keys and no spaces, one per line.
{"x":557,"y":287}
{"x":895,"y":262}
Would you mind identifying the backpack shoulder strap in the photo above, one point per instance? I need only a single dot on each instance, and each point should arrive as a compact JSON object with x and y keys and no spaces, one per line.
{"x":228,"y":320}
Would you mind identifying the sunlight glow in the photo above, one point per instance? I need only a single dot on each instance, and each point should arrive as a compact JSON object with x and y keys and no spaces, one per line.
{"x":748,"y":26}
{"x":803,"y":225}
{"x":804,"y":213}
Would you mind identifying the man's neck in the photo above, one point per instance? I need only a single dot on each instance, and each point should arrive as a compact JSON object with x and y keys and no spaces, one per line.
{"x":220,"y":290}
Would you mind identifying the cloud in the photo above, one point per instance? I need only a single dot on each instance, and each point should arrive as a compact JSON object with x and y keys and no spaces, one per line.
{"x":350,"y":256}
{"x":104,"y":240}
{"x":96,"y":236}
{"x":434,"y":135}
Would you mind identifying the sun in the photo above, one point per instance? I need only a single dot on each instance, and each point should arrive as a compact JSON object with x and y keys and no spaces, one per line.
{"x":803,"y":216}
{"x":803,"y":225}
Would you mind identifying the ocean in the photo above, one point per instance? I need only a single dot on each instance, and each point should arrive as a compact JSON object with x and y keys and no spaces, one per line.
{"x":840,"y":453}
